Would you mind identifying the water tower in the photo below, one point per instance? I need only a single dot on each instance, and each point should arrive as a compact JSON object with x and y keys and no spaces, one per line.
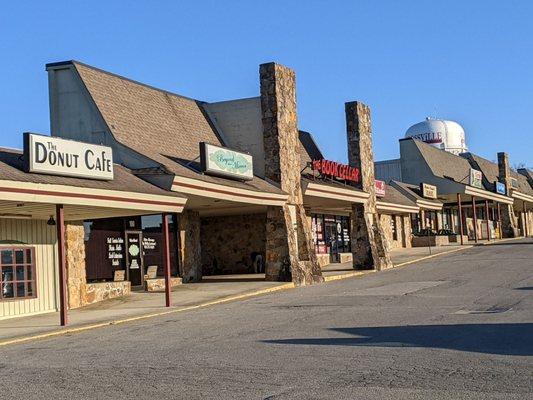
{"x":443,"y":134}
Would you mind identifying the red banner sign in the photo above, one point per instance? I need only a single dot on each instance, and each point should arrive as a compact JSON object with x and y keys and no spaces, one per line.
{"x":336,"y":170}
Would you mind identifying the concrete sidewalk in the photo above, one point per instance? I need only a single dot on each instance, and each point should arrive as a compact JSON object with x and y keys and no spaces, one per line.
{"x":399,"y":257}
{"x":211,"y":290}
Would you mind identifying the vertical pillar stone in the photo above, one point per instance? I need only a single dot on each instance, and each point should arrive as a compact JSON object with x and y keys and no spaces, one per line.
{"x":509,"y":221}
{"x":289,"y":249}
{"x":407,"y":231}
{"x":190,"y":249}
{"x":75,"y":261}
{"x":369,"y":247}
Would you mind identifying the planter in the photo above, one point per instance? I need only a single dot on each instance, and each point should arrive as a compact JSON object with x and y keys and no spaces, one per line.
{"x":425,"y":241}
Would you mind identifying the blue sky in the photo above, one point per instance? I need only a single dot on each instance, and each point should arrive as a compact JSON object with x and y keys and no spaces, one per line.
{"x":470,"y":61}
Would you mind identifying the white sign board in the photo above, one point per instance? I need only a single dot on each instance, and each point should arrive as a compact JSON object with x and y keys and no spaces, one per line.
{"x":429,"y":191}
{"x":56,"y":156}
{"x":225,"y":162}
{"x":476,"y":178}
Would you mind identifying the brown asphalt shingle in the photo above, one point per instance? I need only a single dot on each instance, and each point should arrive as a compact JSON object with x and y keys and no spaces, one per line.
{"x":12,"y":169}
{"x":161,"y":125}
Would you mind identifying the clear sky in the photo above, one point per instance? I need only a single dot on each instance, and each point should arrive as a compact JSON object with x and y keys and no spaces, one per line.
{"x":469,"y":61}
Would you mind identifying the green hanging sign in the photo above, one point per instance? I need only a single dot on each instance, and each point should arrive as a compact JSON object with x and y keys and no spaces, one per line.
{"x":221,"y":161}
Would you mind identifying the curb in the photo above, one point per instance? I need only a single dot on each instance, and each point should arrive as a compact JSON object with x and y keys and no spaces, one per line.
{"x":347,"y":275}
{"x":83,"y":328}
{"x":465,"y":247}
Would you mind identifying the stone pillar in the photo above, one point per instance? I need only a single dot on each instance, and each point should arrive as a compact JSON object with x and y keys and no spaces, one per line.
{"x":509,"y":220}
{"x":289,"y":252}
{"x":407,"y":231}
{"x":75,"y":257}
{"x":369,"y":247}
{"x":190,"y":249}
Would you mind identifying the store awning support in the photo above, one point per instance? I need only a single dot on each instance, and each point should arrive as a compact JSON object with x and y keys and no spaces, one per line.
{"x":475,"y":217}
{"x":60,"y":224}
{"x":499,"y":221}
{"x":460,"y":217}
{"x":487,"y":217}
{"x":166,"y":255}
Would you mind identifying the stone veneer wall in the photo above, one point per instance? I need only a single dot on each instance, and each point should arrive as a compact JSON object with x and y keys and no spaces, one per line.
{"x":79,"y":292}
{"x":369,"y":246}
{"x":386,"y":223}
{"x":289,"y":249}
{"x":75,"y":256}
{"x":227,"y":243}
{"x":509,"y":219}
{"x":403,"y":226}
{"x":190,"y":247}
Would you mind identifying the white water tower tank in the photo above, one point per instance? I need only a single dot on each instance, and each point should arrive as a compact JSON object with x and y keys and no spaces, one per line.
{"x":443,"y":134}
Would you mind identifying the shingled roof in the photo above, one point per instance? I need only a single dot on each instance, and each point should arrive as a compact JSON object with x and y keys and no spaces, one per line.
{"x":12,"y":169}
{"x":444,"y":164}
{"x":490,"y":171}
{"x":161,"y":125}
{"x":415,"y":192}
{"x":394,"y":196}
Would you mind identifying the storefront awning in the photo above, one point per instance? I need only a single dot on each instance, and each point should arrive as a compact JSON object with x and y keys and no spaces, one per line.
{"x":398,"y":208}
{"x":339,"y":193}
{"x":228,"y":193}
{"x":485,"y":194}
{"x":37,"y":201}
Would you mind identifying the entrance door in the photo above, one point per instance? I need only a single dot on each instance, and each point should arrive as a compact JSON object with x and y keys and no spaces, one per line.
{"x":134,"y":258}
{"x":332,"y":240}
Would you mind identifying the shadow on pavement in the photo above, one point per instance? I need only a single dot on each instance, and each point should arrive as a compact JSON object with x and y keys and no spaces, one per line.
{"x":524,"y":288}
{"x":502,"y":339}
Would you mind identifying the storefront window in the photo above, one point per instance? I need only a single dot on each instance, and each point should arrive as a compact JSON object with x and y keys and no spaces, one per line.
{"x":331,"y":234}
{"x":17,"y":273}
{"x":108,"y":243}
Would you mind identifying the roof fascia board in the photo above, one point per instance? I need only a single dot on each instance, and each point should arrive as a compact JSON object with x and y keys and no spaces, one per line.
{"x":75,"y":195}
{"x":223,"y":192}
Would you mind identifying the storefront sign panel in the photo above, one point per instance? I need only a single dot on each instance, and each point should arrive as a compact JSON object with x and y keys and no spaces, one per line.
{"x":55,"y":156}
{"x":428,"y":191}
{"x":336,"y":170}
{"x":221,"y":161}
{"x":500,"y":187}
{"x":476,"y":178}
{"x":380,"y":188}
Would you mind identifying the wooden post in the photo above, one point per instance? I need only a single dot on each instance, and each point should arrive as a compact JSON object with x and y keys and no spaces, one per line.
{"x":166,"y":258}
{"x":60,"y":226}
{"x":499,"y":221}
{"x":526,"y":227}
{"x":487,"y":216}
{"x":421,"y":218}
{"x":460,"y":217}
{"x":475,"y":217}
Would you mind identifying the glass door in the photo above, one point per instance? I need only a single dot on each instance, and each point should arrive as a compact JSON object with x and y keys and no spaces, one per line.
{"x":134,"y":258}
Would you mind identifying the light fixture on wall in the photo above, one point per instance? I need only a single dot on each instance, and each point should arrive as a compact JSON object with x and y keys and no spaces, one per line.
{"x":51,"y":221}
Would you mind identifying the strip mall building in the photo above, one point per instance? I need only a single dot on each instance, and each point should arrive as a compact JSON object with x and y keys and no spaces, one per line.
{"x":193,"y":189}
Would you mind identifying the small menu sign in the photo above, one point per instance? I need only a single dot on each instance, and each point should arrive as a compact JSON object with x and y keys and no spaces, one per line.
{"x":428,"y":191}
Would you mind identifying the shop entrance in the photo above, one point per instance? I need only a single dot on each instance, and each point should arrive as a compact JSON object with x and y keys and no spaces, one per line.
{"x":331,"y":235}
{"x":134,"y":258}
{"x":332,"y":238}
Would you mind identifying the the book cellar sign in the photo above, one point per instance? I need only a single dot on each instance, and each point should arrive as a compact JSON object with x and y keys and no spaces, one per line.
{"x":55,"y":156}
{"x":335,"y":170}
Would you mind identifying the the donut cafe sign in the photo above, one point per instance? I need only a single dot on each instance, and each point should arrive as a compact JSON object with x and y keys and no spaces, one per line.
{"x":56,"y":156}
{"x":336,"y":170}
